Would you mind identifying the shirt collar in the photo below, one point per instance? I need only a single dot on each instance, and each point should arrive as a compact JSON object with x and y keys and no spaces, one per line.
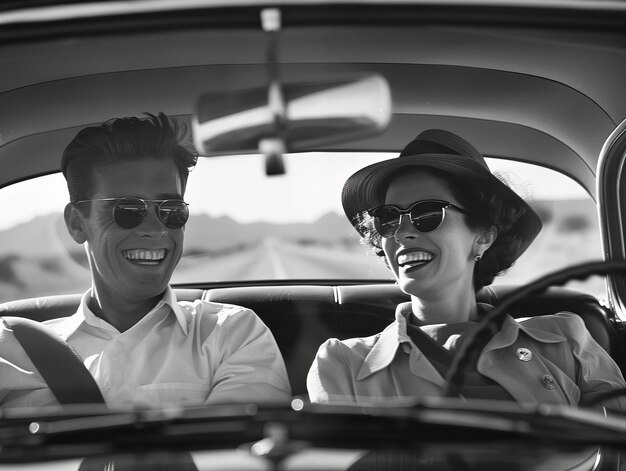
{"x":84,"y":314}
{"x":510,"y":331}
{"x":182,"y":316}
{"x":384,"y":350}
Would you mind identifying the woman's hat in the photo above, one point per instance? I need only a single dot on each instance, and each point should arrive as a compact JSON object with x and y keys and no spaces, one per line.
{"x":443,"y":151}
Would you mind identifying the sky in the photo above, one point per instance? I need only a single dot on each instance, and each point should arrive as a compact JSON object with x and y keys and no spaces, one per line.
{"x":238,"y":187}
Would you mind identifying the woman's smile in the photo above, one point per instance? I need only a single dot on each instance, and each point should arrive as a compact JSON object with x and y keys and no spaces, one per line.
{"x":409,"y":259}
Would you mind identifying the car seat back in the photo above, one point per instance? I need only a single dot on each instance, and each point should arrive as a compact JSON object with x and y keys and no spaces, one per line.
{"x":302,"y":317}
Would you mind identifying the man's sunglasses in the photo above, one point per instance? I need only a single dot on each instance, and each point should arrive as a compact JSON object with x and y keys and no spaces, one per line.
{"x":130,"y":212}
{"x":426,"y":216}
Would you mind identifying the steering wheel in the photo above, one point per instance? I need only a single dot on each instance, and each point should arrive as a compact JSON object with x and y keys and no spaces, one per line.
{"x":468,"y":353}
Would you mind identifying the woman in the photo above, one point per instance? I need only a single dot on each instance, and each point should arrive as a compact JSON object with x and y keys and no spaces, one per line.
{"x":446,"y":226}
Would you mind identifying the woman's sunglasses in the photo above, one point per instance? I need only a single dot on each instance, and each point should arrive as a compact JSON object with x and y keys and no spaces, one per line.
{"x":130,"y":212}
{"x":426,"y":216}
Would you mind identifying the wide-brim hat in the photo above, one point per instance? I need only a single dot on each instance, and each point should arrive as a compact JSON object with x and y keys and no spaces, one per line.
{"x":448,"y":153}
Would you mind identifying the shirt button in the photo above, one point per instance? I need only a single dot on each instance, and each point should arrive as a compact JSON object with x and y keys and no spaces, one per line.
{"x":119,"y":345}
{"x":548,"y":382}
{"x":107,"y":386}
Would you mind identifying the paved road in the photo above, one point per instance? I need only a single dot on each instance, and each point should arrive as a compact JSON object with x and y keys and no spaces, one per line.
{"x":278,"y":259}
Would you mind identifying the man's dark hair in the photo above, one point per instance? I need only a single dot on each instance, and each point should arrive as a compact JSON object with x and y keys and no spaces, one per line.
{"x":123,"y":139}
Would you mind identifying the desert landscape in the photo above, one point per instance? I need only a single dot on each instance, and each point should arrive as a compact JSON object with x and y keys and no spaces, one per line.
{"x":38,"y":257}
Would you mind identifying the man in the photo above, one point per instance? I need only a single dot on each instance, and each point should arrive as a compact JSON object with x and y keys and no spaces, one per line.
{"x":126,"y":180}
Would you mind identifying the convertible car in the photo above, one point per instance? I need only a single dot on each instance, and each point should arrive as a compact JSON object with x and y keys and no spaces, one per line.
{"x":284,"y":100}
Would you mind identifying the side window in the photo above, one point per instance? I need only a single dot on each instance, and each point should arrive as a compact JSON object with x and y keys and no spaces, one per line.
{"x":37,"y":255}
{"x":570,"y":233}
{"x":256,"y":227}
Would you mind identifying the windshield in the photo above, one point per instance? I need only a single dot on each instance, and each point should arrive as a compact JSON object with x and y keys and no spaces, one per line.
{"x":245,"y":225}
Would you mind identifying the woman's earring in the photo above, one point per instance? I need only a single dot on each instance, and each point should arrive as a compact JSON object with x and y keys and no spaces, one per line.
{"x":478,"y":257}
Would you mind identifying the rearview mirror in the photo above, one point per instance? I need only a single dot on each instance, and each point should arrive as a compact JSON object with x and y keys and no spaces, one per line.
{"x":311,"y":115}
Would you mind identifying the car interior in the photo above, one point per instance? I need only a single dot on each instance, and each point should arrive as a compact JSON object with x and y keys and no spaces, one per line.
{"x":284,"y":100}
{"x":518,"y":86}
{"x":302,"y":317}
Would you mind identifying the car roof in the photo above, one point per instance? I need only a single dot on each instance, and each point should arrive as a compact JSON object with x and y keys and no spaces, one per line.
{"x":530,"y":81}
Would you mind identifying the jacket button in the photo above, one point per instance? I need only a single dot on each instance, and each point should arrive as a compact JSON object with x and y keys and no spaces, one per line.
{"x":524,"y":354}
{"x":548,"y":382}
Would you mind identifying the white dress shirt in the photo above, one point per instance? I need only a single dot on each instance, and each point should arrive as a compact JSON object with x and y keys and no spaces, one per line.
{"x":180,"y":353}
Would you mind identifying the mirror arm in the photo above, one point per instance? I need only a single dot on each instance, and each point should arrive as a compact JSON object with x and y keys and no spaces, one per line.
{"x":274,"y":147}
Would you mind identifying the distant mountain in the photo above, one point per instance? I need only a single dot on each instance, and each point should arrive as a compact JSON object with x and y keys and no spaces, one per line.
{"x":34,"y":261}
{"x":43,"y":235}
{"x":48,"y":236}
{"x":205,"y":232}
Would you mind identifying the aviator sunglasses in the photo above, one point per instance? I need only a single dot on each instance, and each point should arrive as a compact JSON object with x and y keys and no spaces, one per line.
{"x":425,"y":215}
{"x":130,"y":212}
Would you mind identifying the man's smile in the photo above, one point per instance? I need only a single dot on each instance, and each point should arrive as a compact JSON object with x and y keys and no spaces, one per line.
{"x":145,"y":256}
